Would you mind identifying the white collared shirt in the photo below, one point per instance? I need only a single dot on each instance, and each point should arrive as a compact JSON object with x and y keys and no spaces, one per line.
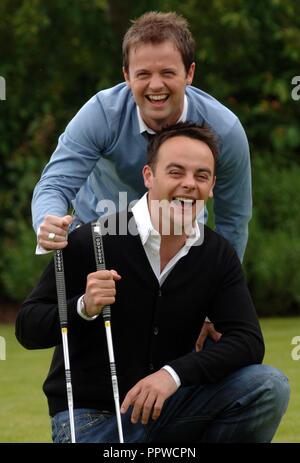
{"x":144,"y":127}
{"x":151,"y":240}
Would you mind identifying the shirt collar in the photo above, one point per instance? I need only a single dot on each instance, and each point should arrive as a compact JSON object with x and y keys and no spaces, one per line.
{"x":142,"y":218}
{"x":144,"y":128}
{"x":145,"y":227}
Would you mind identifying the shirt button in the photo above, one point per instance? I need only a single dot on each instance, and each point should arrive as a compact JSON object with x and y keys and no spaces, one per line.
{"x":155,"y":331}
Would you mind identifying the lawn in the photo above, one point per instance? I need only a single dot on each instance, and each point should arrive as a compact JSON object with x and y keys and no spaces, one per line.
{"x":23,"y":408}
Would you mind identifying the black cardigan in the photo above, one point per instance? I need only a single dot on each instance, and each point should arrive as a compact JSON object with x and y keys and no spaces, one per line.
{"x":151,"y":326}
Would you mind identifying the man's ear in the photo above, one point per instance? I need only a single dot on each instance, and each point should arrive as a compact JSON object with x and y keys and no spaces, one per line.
{"x":211,"y":193}
{"x":190,"y":74}
{"x":148,"y":176}
{"x":126,"y":76}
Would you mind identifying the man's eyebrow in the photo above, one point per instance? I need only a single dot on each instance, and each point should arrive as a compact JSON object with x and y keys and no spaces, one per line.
{"x":141,"y":70}
{"x":178,"y":166}
{"x":173,"y":164}
{"x":204,"y":169}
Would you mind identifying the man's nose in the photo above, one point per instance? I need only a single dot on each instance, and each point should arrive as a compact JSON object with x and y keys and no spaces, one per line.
{"x":156,"y":82}
{"x":188,"y":182}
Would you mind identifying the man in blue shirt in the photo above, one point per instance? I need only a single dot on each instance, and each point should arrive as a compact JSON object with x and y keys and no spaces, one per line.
{"x":103,"y":149}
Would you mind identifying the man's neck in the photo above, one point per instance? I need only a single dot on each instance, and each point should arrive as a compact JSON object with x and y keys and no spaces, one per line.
{"x":170,"y":245}
{"x":145,"y":125}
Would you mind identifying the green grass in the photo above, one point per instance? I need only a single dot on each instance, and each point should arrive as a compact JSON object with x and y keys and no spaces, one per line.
{"x":278,"y":334}
{"x":23,"y":406}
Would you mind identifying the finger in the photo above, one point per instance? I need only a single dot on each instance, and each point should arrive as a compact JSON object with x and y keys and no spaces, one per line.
{"x":103,"y":275}
{"x":200,"y":342}
{"x":158,"y":407}
{"x":56,"y":220}
{"x":115,"y":275}
{"x":129,"y":398}
{"x":51,"y":245}
{"x":138,"y":407}
{"x":147,"y":408}
{"x":100,"y":293}
{"x":51,"y":228}
{"x":216,"y":336}
{"x":67,"y":220}
{"x":99,"y":284}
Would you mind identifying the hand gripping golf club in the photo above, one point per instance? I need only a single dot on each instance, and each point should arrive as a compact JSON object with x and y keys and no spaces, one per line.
{"x":100,"y":265}
{"x":63,"y":317}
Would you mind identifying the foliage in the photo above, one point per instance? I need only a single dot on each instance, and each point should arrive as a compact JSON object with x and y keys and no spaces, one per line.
{"x":273,"y":254}
{"x":20,"y":267}
{"x":55,"y":55}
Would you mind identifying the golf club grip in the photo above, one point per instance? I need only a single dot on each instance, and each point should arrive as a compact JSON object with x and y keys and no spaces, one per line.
{"x":100,"y":260}
{"x":98,"y":247}
{"x":60,"y":287}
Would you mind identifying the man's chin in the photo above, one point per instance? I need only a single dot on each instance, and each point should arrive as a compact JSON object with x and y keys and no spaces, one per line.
{"x":180,"y":224}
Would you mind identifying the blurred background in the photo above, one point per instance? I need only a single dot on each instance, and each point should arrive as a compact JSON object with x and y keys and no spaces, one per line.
{"x":54,"y":55}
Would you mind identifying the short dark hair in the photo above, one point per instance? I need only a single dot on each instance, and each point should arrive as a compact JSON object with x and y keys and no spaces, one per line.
{"x":199,"y":132}
{"x":156,"y":27}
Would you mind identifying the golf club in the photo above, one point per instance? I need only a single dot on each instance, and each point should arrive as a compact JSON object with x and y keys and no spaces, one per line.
{"x":100,"y":265}
{"x":63,"y":317}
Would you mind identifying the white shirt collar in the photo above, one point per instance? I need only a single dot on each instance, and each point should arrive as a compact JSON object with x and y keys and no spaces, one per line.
{"x":144,"y":128}
{"x":145,"y":227}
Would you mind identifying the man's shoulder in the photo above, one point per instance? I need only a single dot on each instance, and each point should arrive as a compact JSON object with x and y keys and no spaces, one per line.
{"x":204,"y":106}
{"x":216,"y":247}
{"x":115,"y":98}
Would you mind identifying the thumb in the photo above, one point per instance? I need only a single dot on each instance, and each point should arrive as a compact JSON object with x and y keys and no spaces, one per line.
{"x":216,"y":336}
{"x":115,"y":275}
{"x":67,"y":220}
{"x":200,"y":342}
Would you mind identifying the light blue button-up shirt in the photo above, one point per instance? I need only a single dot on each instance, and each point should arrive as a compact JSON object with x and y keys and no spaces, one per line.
{"x":102,"y":153}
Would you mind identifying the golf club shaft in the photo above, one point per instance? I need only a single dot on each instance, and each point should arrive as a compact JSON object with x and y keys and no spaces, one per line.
{"x":63,"y":317}
{"x":114,"y":378}
{"x":64,"y":333}
{"x":106,"y":312}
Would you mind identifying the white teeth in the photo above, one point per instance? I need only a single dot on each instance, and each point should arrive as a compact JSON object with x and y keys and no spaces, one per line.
{"x":157,"y":97}
{"x":185,"y":201}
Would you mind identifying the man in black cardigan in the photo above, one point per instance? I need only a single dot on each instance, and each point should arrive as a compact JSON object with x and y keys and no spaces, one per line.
{"x":166,"y":273}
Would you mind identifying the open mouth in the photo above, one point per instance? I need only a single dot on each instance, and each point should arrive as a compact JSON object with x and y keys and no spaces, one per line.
{"x":157,"y":99}
{"x":183,"y":202}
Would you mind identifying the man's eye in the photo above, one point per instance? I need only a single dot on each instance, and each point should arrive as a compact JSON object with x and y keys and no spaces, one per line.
{"x":202,"y":178}
{"x":175,"y":172}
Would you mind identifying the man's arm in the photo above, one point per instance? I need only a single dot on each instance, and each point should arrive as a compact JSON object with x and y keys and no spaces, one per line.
{"x":37,"y":324}
{"x":233,"y":314}
{"x":232,"y":193}
{"x":78,"y":150}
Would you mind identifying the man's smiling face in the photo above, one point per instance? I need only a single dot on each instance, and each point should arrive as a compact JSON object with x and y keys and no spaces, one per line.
{"x":157,"y":78}
{"x":183,"y":178}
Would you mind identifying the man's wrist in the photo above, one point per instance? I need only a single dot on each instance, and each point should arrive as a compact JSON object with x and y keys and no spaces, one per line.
{"x":81,"y":310}
{"x":173,"y":373}
{"x":39,"y":250}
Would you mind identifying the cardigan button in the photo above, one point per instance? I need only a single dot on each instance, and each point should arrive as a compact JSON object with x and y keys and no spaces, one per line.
{"x":151,"y":366}
{"x":155,"y":331}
